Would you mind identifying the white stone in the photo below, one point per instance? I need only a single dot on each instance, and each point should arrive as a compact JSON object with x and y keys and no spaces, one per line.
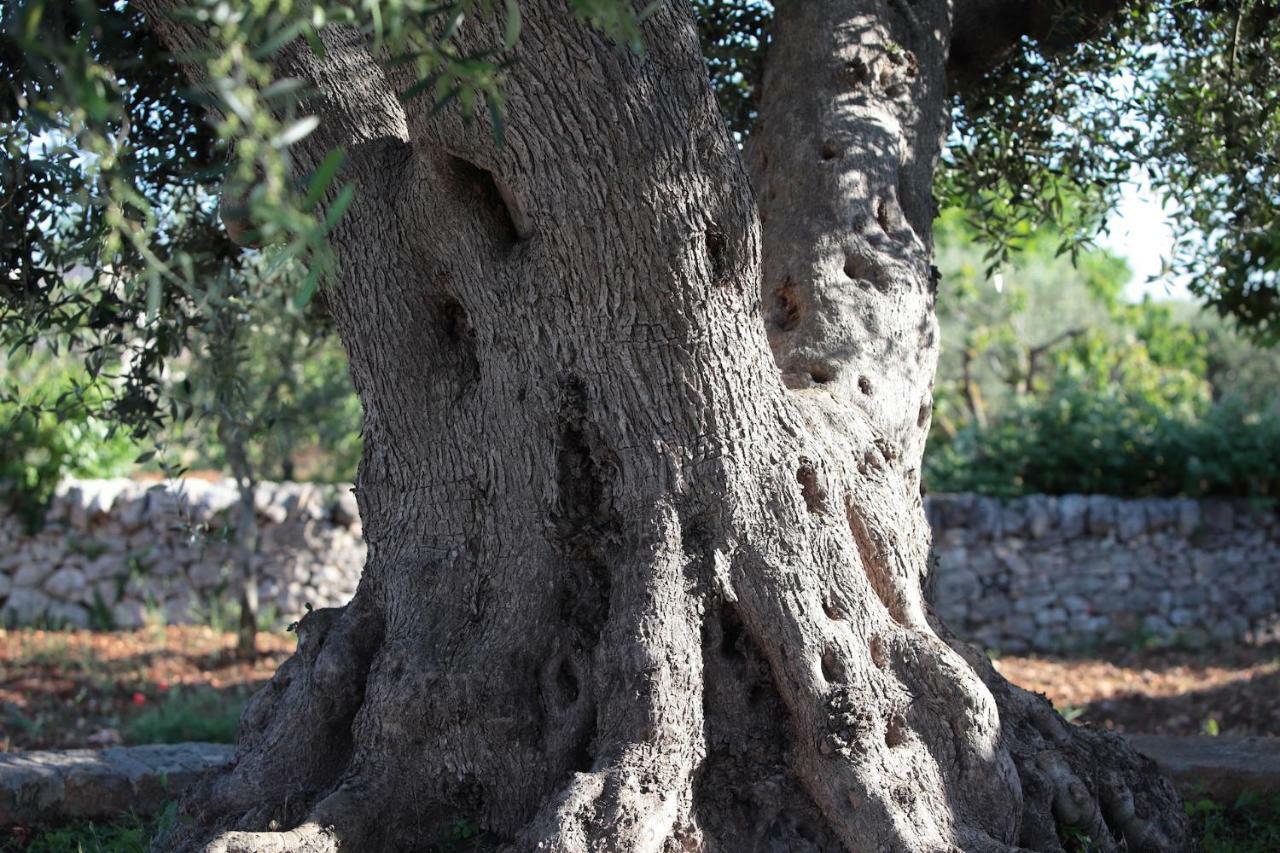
{"x":346,"y":510}
{"x":32,"y":574}
{"x":128,"y":614}
{"x":24,"y":606}
{"x":66,"y":584}
{"x":109,"y":565}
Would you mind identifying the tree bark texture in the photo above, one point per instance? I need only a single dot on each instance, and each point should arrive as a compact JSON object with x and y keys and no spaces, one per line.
{"x":641,"y":481}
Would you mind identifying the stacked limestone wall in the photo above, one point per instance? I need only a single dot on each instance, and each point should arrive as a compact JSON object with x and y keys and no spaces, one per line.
{"x":1051,"y":573}
{"x":1035,"y":573}
{"x":119,"y":552}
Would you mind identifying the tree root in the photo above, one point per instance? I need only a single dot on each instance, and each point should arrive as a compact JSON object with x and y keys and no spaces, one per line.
{"x":1079,"y":782}
{"x":308,"y":838}
{"x":622,"y":809}
{"x":884,"y":737}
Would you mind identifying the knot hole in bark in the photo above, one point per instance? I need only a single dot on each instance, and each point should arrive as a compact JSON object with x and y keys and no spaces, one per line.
{"x":895,"y":730}
{"x":833,"y":668}
{"x":815,"y":497}
{"x":786,"y":306}
{"x":454,"y":321}
{"x":821,"y":374}
{"x":865,"y":271}
{"x":456,"y":330}
{"x":881,"y":208}
{"x":492,"y":198}
{"x":879,"y":656}
{"x":718,"y":255}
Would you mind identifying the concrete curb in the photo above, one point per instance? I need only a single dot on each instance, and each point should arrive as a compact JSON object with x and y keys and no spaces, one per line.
{"x":1220,"y":768}
{"x":47,"y":787}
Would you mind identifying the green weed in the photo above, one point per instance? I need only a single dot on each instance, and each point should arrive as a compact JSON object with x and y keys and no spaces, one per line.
{"x":200,"y":715}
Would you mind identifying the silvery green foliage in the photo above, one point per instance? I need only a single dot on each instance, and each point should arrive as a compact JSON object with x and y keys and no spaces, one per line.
{"x":116,"y":165}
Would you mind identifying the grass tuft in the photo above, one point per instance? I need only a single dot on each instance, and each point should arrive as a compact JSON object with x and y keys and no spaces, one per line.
{"x":187,"y":715}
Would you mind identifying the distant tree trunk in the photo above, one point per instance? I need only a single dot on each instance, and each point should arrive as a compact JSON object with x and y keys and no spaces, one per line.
{"x":640,"y":576}
{"x":972,"y":390}
{"x":246,"y":539}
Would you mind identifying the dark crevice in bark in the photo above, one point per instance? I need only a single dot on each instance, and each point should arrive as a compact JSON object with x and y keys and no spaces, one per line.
{"x":492,"y":199}
{"x":872,"y":561}
{"x":815,"y":496}
{"x":786,"y":304}
{"x":731,"y":635}
{"x":718,"y":256}
{"x":745,"y":794}
{"x":584,"y":525}
{"x":459,"y":339}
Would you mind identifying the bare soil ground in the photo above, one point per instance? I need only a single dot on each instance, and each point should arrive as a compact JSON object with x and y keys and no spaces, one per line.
{"x":1228,"y":690}
{"x":64,"y":689}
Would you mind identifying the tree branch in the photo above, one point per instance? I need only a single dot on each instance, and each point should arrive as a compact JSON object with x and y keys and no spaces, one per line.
{"x":1034,"y":353}
{"x":985,"y":33}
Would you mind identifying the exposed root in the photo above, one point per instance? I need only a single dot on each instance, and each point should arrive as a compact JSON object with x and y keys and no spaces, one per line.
{"x":1078,"y":781}
{"x":649,"y":701}
{"x":621,"y":809}
{"x":294,"y":736}
{"x":308,"y":838}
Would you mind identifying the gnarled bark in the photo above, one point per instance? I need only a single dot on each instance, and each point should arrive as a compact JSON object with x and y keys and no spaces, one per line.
{"x":642,"y":576}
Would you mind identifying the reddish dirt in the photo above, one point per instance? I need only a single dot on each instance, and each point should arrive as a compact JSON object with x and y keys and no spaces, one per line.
{"x":62,"y":689}
{"x":1233,"y":690}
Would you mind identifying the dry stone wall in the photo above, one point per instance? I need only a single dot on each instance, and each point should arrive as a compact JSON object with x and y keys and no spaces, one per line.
{"x":1052,"y":573}
{"x":120,"y":552}
{"x":1035,"y":573}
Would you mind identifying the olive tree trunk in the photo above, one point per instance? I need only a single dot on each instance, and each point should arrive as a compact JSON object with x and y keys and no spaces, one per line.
{"x":641,"y":478}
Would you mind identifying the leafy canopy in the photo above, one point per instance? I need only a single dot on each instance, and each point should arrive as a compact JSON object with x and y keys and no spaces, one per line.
{"x":1183,"y":94}
{"x":1057,"y":385}
{"x":112,"y":162}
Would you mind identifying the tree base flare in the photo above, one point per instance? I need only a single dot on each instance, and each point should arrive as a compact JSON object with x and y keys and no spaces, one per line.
{"x":744,"y":767}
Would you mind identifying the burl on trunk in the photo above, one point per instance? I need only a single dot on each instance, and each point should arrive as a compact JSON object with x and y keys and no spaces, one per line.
{"x":641,"y":480}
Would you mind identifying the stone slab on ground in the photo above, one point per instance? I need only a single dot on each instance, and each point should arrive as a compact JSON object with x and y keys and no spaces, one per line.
{"x":49,"y":786}
{"x":1221,"y":768}
{"x":45,"y":787}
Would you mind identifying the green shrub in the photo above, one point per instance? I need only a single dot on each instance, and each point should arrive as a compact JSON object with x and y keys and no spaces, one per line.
{"x":1078,"y":441}
{"x":48,"y":432}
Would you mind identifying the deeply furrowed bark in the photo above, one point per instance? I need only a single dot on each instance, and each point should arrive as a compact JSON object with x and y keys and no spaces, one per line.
{"x":642,"y":576}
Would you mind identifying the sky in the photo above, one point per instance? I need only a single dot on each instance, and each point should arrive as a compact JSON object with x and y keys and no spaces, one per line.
{"x":1141,"y":233}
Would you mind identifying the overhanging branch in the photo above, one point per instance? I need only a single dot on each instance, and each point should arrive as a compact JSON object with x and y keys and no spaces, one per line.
{"x":985,"y":33}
